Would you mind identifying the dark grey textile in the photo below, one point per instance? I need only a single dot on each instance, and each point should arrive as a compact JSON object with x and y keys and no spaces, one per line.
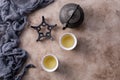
{"x":12,"y":21}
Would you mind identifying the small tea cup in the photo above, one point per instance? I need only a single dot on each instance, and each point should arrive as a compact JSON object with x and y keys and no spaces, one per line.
{"x":49,"y":63}
{"x":68,"y":41}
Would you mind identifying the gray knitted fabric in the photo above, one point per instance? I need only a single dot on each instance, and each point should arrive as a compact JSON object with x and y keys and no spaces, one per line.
{"x":12,"y":21}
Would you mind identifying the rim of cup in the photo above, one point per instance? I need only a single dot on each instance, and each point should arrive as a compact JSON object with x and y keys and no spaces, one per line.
{"x":75,"y":41}
{"x":50,"y":70}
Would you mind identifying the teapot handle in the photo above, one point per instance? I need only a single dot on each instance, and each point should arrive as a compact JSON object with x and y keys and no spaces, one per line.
{"x":65,"y":25}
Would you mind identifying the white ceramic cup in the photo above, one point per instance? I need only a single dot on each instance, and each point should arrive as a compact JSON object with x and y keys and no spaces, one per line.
{"x":45,"y":68}
{"x":70,"y":48}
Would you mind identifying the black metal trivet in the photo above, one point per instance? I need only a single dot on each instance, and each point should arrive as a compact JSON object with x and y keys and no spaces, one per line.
{"x":41,"y":35}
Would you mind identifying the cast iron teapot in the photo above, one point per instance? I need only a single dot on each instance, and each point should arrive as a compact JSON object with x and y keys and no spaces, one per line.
{"x":71,"y":15}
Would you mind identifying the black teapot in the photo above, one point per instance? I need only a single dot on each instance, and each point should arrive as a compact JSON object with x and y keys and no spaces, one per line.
{"x":71,"y":15}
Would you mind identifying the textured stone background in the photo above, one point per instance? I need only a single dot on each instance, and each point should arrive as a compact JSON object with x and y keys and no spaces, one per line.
{"x":97,"y":55}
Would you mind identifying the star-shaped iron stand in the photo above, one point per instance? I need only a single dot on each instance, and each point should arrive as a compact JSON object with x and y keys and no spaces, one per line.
{"x":41,"y":35}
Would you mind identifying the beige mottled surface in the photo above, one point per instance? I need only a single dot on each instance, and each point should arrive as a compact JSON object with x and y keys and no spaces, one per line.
{"x":97,"y":56}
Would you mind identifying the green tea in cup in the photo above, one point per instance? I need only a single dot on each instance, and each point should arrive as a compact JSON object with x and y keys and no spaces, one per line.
{"x":49,"y":63}
{"x":68,"y":41}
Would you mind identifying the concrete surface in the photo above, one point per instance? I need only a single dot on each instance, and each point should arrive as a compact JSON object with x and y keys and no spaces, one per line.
{"x":97,"y":55}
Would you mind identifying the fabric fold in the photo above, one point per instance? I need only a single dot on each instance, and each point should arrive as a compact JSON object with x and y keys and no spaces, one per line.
{"x":13,"y":18}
